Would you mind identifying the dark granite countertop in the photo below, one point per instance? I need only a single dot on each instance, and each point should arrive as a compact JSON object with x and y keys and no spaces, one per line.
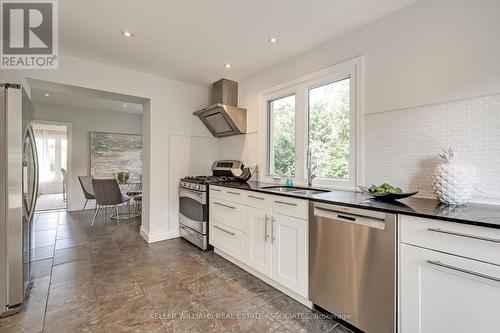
{"x":475,"y":214}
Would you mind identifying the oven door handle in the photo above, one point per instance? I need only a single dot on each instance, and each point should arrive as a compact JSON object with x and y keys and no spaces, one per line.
{"x":197,"y":196}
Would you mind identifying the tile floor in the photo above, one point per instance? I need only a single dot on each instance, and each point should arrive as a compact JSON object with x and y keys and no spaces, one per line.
{"x":50,"y":202}
{"x":106,"y":278}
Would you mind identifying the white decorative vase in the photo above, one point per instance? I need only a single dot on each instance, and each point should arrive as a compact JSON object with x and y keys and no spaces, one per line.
{"x":452,"y":183}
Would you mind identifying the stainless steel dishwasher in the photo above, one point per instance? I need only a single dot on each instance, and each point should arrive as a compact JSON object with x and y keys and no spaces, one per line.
{"x":352,"y":265}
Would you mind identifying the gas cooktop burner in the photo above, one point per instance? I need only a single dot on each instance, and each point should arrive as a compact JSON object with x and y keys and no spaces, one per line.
{"x":223,"y":171}
{"x":208,"y":179}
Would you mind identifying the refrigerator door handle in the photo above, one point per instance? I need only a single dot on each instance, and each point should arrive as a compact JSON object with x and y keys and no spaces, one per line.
{"x":31,"y":135}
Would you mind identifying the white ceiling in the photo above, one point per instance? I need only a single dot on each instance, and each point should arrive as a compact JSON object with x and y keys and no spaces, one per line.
{"x":191,"y":40}
{"x":65,"y":95}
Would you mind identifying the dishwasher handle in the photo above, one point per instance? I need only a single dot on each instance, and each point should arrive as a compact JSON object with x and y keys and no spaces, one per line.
{"x":367,"y":221}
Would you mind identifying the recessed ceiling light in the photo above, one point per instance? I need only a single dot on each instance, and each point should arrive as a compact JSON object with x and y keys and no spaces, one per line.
{"x":272,"y":40}
{"x":125,"y":105}
{"x":227,"y":65}
{"x":127,"y":34}
{"x":46,"y":94}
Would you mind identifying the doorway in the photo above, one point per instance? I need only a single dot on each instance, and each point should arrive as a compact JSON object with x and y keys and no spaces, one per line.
{"x":53,"y":161}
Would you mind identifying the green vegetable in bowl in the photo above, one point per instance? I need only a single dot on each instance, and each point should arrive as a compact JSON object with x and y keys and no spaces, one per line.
{"x":384,"y":188}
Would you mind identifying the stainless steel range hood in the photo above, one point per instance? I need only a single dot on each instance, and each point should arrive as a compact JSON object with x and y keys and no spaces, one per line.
{"x":224,"y":118}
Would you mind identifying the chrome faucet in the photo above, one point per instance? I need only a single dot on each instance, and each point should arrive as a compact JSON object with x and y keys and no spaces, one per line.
{"x":310,"y":176}
{"x":310,"y":172}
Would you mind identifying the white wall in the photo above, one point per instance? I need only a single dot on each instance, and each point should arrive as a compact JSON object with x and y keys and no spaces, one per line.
{"x":83,"y":121}
{"x":189,"y":155}
{"x":168,"y":111}
{"x":425,"y":54}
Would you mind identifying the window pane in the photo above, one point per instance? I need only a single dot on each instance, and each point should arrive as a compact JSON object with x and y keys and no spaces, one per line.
{"x":52,"y":157}
{"x":282,"y":136}
{"x":329,"y":113}
{"x":64,"y":153}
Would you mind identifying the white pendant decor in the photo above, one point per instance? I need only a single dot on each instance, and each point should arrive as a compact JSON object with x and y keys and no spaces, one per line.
{"x":452,"y":183}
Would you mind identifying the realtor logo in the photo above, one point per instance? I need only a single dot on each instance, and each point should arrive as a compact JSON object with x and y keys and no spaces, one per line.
{"x":29,"y":34}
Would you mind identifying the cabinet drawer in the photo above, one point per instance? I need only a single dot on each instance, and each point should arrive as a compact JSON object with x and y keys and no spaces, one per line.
{"x":226,"y":193}
{"x":229,"y":213}
{"x":469,"y":241}
{"x":259,"y":200}
{"x":290,"y":207}
{"x":228,"y":239}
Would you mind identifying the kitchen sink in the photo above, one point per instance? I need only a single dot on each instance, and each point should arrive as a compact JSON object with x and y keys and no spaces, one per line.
{"x":282,"y":188}
{"x":294,"y":190}
{"x":309,"y":192}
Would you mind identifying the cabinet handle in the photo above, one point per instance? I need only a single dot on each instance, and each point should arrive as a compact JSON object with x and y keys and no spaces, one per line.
{"x":227,"y":206}
{"x":265,"y":228}
{"x":455,"y":233}
{"x":254,"y":197}
{"x":286,"y":203}
{"x":462,"y":270}
{"x":226,"y":231}
{"x":236,"y":193}
{"x":272,"y":230}
{"x":214,"y":189}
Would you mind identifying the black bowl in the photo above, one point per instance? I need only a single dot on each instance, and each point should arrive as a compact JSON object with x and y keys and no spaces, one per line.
{"x":387,"y":196}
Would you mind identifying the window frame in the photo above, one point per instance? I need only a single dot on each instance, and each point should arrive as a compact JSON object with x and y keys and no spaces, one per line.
{"x":270,"y":158}
{"x":300,"y":87}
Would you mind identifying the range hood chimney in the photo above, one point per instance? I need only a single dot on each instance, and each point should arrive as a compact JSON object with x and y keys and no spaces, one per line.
{"x":224,"y":118}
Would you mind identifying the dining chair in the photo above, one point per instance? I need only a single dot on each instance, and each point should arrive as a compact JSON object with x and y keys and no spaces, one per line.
{"x":107,"y":193}
{"x":88,"y":190}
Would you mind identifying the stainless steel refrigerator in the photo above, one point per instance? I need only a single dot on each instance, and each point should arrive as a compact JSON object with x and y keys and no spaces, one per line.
{"x":18,"y":194}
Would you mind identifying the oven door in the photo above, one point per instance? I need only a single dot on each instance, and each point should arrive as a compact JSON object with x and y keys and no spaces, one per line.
{"x":193,"y":209}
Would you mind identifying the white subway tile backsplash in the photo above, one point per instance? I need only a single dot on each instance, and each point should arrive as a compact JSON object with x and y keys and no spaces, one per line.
{"x":401,"y":146}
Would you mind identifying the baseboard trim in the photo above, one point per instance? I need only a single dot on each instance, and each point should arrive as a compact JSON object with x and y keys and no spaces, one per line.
{"x":152,"y":237}
{"x":266,"y":279}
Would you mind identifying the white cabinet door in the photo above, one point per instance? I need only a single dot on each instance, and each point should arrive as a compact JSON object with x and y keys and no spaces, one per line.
{"x":445,"y":293}
{"x":289,"y":238}
{"x":259,"y":247}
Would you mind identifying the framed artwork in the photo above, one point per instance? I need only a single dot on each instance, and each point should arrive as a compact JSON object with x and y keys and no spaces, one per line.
{"x":115,"y":152}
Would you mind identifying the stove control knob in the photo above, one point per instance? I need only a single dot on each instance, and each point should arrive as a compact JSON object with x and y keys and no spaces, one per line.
{"x":198,"y":187}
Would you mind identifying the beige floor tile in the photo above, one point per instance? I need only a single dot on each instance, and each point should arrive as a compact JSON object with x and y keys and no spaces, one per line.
{"x":69,"y":254}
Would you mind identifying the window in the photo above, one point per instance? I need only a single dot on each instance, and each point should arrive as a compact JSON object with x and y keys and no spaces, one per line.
{"x":64,"y":154}
{"x":312,"y":124}
{"x":282,"y":136}
{"x":329,"y":130}
{"x":52,"y":149}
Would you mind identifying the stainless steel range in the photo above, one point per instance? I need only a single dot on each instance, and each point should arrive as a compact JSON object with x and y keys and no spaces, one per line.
{"x":193,"y":199}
